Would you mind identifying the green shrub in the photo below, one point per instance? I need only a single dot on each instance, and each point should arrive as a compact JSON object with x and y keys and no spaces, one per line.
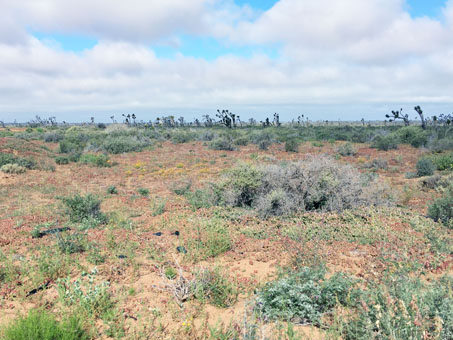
{"x":53,"y":137}
{"x":101,"y":160}
{"x":292,"y":146}
{"x":211,"y":239}
{"x":71,"y":243}
{"x":143,"y":192}
{"x":214,"y":286}
{"x":403,"y":308}
{"x":201,"y":198}
{"x":181,"y":188}
{"x":442,"y":209}
{"x":347,"y":149}
{"x":123,"y":144}
{"x":13,"y":169}
{"x":302,"y":297}
{"x":385,"y":143}
{"x":241,"y":185}
{"x":413,"y":135}
{"x":443,"y":161}
{"x":62,"y":160}
{"x":82,"y":208}
{"x":112,"y":190}
{"x":66,"y":146}
{"x":6,"y":158}
{"x":40,"y":325}
{"x":170,"y":273}
{"x":264,"y":144}
{"x":222,"y":143}
{"x":425,"y":167}
{"x":241,"y":141}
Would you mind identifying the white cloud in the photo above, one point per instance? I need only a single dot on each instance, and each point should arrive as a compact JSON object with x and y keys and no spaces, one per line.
{"x":348,"y":55}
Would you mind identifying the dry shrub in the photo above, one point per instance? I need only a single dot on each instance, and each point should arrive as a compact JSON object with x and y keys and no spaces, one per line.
{"x":318,"y":183}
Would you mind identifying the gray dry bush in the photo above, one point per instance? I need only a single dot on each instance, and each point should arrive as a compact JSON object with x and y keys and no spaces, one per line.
{"x":318,"y":183}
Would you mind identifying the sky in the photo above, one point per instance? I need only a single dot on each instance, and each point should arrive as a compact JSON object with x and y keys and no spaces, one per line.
{"x":326,"y":59}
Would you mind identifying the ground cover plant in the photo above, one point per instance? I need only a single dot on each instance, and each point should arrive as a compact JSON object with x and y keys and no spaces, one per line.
{"x":179,"y":230}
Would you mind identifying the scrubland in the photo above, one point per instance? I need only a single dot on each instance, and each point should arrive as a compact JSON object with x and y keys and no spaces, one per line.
{"x":288,"y":232}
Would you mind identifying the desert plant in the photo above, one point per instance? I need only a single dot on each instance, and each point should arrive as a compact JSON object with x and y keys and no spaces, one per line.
{"x":292,"y":146}
{"x":318,"y":183}
{"x":71,"y":243}
{"x":222,"y":143}
{"x":385,"y":143}
{"x":82,"y":208}
{"x":443,"y":161}
{"x":143,"y":192}
{"x":302,"y":297}
{"x":412,"y":135}
{"x":13,"y":169}
{"x":123,"y":144}
{"x":347,"y":149}
{"x":425,"y":167}
{"x":442,"y":209}
{"x":214,"y":286}
{"x":112,"y":190}
{"x":40,"y":325}
{"x":100,"y":160}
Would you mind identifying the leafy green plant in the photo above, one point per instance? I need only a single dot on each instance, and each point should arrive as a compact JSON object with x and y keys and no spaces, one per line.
{"x":302,"y":297}
{"x":82,"y":208}
{"x":443,"y":161}
{"x":13,"y":169}
{"x":143,"y":192}
{"x":40,"y":325}
{"x":170,"y":273}
{"x":112,"y":190}
{"x":100,"y":160}
{"x":347,"y":149}
{"x":92,"y":299}
{"x":425,"y":167}
{"x":385,"y":143}
{"x":211,"y":239}
{"x":292,"y":145}
{"x":442,"y":209}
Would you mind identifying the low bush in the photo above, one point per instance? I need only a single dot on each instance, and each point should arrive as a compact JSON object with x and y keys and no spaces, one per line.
{"x":403,"y":308}
{"x":201,"y":198}
{"x":385,"y":143}
{"x":210,"y":239}
{"x":143,"y":192}
{"x":112,"y":190}
{"x":425,"y":167}
{"x":443,"y":161}
{"x":318,"y":183}
{"x":241,"y":141}
{"x":434,"y":182}
{"x":123,"y":144}
{"x":100,"y":160}
{"x":377,"y":164}
{"x":347,"y":149}
{"x":442,"y":209}
{"x":83,"y":208}
{"x":6,"y":158}
{"x":53,"y":137}
{"x":40,"y":325}
{"x":66,"y":146}
{"x":443,"y":144}
{"x":214,"y":286}
{"x":412,"y":135}
{"x":62,"y":160}
{"x":292,"y":146}
{"x":181,"y":187}
{"x":222,"y":143}
{"x":71,"y":243}
{"x":302,"y":297}
{"x":13,"y":169}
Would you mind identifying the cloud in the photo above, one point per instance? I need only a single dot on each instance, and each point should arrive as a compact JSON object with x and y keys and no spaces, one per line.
{"x":348,"y":56}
